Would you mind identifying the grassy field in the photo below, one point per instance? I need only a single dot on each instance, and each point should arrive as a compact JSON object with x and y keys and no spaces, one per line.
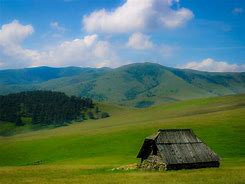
{"x":87,"y":152}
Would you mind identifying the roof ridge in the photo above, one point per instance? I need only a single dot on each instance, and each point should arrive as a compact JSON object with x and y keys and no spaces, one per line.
{"x":171,"y":129}
{"x":180,"y":143}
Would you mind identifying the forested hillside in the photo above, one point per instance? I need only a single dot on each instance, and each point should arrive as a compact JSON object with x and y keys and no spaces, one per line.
{"x":45,"y":108}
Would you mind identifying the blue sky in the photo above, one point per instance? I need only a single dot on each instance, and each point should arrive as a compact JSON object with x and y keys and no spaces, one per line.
{"x":200,"y":34}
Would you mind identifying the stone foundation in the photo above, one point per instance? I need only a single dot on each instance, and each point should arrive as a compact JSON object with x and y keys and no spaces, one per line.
{"x":153,"y":162}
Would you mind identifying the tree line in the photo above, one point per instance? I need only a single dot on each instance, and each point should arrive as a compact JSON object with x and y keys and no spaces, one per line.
{"x":43,"y":107}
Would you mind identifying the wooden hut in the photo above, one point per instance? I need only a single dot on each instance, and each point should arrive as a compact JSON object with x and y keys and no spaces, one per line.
{"x":176,"y":149}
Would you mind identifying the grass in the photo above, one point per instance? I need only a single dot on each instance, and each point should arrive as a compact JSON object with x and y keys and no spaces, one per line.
{"x":78,"y":174}
{"x":86,"y":152}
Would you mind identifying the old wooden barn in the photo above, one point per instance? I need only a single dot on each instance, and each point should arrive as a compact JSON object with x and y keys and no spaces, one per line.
{"x":176,"y":149}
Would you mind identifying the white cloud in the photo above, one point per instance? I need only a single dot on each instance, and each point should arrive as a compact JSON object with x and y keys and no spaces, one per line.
{"x":11,"y":37}
{"x":88,"y":51}
{"x":56,"y":26}
{"x":57,"y":31}
{"x":167,"y":51}
{"x":1,"y":63}
{"x":237,"y":10}
{"x":137,"y":15}
{"x":211,"y":65}
{"x":14,"y":33}
{"x":139,"y":41}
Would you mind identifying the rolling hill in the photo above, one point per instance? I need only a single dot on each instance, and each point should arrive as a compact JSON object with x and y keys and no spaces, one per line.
{"x":138,"y":85}
{"x":87,"y":152}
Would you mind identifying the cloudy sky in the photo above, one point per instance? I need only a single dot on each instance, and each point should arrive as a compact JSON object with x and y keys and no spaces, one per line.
{"x":197,"y":34}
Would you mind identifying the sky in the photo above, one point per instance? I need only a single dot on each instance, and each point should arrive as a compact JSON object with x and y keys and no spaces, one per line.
{"x":196,"y":34}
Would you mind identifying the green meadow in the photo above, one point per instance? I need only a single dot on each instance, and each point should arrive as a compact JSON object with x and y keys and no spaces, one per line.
{"x":87,"y":152}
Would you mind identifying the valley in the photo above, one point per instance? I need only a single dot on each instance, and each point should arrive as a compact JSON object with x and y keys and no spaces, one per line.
{"x":87,"y":152}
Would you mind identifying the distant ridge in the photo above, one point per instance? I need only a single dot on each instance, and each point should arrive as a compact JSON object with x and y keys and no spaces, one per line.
{"x":139,"y":84}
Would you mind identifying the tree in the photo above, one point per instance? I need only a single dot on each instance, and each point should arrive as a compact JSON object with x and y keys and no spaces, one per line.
{"x":97,"y":109}
{"x":44,"y":107}
{"x":91,"y":115}
{"x":18,"y":121}
{"x":104,"y":115}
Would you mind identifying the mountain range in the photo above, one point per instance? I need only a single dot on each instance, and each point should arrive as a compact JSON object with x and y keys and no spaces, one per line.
{"x":138,"y":85}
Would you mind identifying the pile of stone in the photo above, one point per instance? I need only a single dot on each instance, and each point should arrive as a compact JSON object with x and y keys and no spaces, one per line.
{"x":153,"y":162}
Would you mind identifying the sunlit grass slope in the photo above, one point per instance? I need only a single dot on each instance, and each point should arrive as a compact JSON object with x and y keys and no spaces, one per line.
{"x":86,"y":152}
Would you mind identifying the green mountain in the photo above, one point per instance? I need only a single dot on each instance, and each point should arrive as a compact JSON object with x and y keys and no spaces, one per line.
{"x":138,"y":85}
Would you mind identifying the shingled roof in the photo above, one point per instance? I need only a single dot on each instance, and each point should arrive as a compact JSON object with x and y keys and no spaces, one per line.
{"x":176,"y":147}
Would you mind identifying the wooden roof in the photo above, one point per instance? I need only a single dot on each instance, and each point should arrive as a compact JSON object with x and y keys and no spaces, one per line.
{"x":179,"y":146}
{"x":172,"y":136}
